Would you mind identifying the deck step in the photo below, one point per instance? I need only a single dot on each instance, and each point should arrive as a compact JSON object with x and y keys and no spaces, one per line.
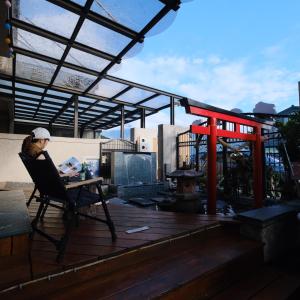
{"x":199,"y":266}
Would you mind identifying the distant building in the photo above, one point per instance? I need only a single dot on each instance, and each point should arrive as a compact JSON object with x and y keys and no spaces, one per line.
{"x":288,"y":112}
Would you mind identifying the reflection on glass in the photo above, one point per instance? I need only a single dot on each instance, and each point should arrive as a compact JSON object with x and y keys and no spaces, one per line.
{"x":6,"y":65}
{"x":101,"y":38}
{"x":157,"y":102}
{"x":108,"y":88}
{"x":47,"y":16}
{"x":73,"y":79}
{"x":135,"y":95}
{"x":35,"y":43}
{"x":134,"y":14}
{"x":86,"y":60}
{"x":34,"y":69}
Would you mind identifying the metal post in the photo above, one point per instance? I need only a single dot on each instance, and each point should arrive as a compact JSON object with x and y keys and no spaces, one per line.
{"x":172,"y":111}
{"x":11,"y":110}
{"x":143,"y":118}
{"x":212,"y":166}
{"x":122,"y":122}
{"x":257,"y":170}
{"x":299,"y":91}
{"x":75,"y":97}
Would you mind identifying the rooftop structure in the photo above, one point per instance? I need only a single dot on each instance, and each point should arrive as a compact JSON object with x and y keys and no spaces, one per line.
{"x":58,"y":73}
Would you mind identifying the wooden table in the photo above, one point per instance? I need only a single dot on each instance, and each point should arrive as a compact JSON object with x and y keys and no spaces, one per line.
{"x":14,"y":223}
{"x":76,"y":184}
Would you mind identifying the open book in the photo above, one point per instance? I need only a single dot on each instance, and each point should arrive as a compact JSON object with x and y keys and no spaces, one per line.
{"x":71,"y":165}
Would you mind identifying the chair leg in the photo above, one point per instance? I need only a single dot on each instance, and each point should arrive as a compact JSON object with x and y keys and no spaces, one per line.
{"x":44,"y":210}
{"x":36,"y":218}
{"x":31,"y":197}
{"x":63,"y":242}
{"x":107,"y":215}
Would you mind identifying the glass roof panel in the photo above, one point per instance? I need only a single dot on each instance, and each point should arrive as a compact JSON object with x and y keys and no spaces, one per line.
{"x":86,"y":60}
{"x":99,"y":108}
{"x":157,"y":102}
{"x":5,"y":82}
{"x":25,"y":101}
{"x":55,"y":100}
{"x":29,"y":87}
{"x":25,"y":105}
{"x":73,"y":79}
{"x":47,"y":16}
{"x":108,"y":88}
{"x":27,"y":95}
{"x":163,"y":24}
{"x":5,"y":91}
{"x":134,"y":14}
{"x":80,"y":2}
{"x":135,"y":95}
{"x":35,"y":43}
{"x":59,"y":94}
{"x":101,"y":38}
{"x":6,"y":65}
{"x":34,"y":69}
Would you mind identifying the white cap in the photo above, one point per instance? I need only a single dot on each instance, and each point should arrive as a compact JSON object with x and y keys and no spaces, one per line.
{"x":41,"y":133}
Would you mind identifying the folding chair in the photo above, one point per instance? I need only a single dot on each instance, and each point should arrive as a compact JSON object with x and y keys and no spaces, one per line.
{"x":69,"y":198}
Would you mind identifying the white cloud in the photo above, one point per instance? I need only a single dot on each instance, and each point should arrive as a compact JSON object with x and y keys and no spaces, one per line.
{"x":219,"y":82}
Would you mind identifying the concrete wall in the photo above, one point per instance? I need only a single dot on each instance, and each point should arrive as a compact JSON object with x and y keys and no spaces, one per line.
{"x":60,"y":148}
{"x":145,"y":137}
{"x":167,"y":148}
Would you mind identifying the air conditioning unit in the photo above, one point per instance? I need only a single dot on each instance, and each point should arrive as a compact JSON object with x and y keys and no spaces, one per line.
{"x":144,"y":145}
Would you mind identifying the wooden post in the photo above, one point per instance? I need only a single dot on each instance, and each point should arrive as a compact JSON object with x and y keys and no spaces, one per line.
{"x":212,"y":166}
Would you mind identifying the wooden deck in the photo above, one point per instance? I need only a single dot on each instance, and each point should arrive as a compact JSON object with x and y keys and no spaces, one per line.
{"x":91,"y":241}
{"x":180,"y":256}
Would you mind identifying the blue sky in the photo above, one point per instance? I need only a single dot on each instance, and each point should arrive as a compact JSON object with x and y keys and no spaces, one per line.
{"x":228,"y":53}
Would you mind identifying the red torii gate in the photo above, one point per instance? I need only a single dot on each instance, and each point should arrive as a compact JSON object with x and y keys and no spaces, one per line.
{"x":213,"y":115}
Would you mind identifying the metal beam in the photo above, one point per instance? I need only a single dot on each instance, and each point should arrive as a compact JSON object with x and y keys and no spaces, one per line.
{"x":122,"y":129}
{"x":110,"y":99}
{"x":141,"y":86}
{"x":54,"y":61}
{"x":80,"y":21}
{"x":172,"y":111}
{"x":131,"y":44}
{"x":143,"y":118}
{"x":63,"y":109}
{"x":61,"y":39}
{"x":107,"y":113}
{"x":173,"y":4}
{"x":75,"y":97}
{"x":95,"y":17}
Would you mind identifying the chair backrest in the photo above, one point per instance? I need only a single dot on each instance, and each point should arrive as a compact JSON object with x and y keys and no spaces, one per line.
{"x":45,"y":175}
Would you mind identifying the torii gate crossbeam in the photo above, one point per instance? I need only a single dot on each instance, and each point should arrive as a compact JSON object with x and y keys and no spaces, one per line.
{"x":214,"y":115}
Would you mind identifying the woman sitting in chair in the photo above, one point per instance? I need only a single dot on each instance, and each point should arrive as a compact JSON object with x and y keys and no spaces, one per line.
{"x":34,"y":144}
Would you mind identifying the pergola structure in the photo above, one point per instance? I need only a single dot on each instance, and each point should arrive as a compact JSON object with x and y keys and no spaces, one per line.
{"x":223,"y":123}
{"x":63,"y":51}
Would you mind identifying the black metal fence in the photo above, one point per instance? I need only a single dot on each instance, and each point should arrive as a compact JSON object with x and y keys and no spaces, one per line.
{"x":235,"y":164}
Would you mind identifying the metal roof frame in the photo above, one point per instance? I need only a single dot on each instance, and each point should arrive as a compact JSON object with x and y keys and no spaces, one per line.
{"x":109,"y":108}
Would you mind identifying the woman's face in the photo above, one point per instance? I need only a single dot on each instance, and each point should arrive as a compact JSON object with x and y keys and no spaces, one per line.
{"x":44,"y":143}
